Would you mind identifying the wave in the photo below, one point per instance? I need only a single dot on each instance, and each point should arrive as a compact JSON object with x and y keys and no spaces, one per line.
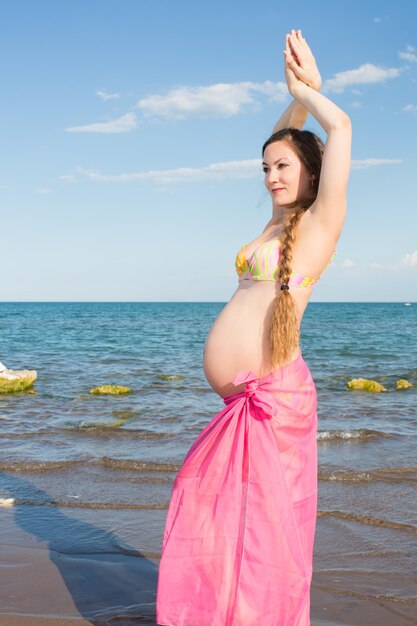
{"x":384,"y":600}
{"x":107,"y":462}
{"x":113,"y":430}
{"x":392,"y":475}
{"x":80,"y":504}
{"x":368,"y":520}
{"x":37,"y":433}
{"x":137,"y":466}
{"x":37,"y":466}
{"x":360,"y":434}
{"x":97,"y":430}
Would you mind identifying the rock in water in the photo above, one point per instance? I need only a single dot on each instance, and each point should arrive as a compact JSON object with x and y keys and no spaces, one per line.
{"x":402,"y":383}
{"x":114,"y":390}
{"x":12,"y":381}
{"x":171,"y":377}
{"x":7,"y":502}
{"x":365,"y":385}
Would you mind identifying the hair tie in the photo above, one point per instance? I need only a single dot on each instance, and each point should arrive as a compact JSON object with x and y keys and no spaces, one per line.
{"x":286,"y":287}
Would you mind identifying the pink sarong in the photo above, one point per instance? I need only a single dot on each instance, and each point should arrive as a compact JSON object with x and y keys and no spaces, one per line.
{"x":238,"y":542}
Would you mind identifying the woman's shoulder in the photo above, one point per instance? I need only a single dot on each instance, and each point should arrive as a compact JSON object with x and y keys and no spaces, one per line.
{"x":312,"y":228}
{"x":313,"y":246}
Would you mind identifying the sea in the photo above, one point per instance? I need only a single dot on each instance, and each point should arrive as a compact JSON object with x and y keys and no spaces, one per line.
{"x":117,"y":456}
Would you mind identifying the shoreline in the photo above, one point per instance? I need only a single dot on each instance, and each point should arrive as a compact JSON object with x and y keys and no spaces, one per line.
{"x":91,"y":579}
{"x":30,"y":620}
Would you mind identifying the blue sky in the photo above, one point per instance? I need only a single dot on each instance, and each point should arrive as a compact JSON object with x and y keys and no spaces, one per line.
{"x":131,"y":135}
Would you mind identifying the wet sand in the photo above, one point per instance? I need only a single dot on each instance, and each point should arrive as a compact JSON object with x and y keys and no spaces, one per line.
{"x":77,"y":566}
{"x":28,"y":620}
{"x":91,"y":476}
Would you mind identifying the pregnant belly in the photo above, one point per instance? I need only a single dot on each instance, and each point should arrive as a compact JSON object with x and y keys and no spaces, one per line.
{"x":238,"y":339}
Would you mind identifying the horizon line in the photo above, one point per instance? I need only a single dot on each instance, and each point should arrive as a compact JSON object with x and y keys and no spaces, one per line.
{"x":192,"y":302}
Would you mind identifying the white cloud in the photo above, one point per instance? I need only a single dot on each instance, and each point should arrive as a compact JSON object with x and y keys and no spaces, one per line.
{"x":408,"y":56}
{"x":221,"y":99}
{"x":387,"y":267}
{"x":377,"y":19}
{"x":122,"y":124}
{"x":356,"y":104}
{"x":409,"y":260}
{"x":104,"y":95}
{"x":216,"y":171}
{"x":348,"y":263}
{"x":69,"y":178}
{"x":411,"y":108}
{"x":43,"y":190}
{"x":249,"y":168}
{"x":365,"y":74}
{"x":361,"y":164}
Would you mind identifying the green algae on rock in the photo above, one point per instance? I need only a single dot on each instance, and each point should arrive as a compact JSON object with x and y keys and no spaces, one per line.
{"x":365,"y":384}
{"x":13,"y":381}
{"x":402,"y":383}
{"x":113,"y":390}
{"x":124,"y":416}
{"x":171,"y":377}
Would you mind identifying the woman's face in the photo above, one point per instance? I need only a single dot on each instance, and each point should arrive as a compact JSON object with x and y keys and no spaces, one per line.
{"x":286,"y":177}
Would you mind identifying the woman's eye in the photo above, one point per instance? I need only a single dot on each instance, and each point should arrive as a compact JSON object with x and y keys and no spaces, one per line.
{"x":266,"y":169}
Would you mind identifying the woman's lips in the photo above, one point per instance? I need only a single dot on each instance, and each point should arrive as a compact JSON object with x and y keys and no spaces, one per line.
{"x":277,"y":189}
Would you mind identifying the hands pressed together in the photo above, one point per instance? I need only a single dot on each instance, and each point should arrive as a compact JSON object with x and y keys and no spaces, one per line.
{"x":299,"y":63}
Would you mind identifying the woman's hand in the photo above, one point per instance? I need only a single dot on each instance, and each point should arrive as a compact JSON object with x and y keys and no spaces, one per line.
{"x":300,"y":64}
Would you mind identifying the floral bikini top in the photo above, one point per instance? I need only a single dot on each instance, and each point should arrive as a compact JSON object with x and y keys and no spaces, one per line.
{"x":262,"y":264}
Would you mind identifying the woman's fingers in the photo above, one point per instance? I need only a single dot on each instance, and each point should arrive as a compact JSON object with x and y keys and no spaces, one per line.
{"x":293,"y":65}
{"x":306,"y":47}
{"x":289,"y":48}
{"x":300,"y":46}
{"x":291,"y":54}
{"x":296,"y":45}
{"x":304,"y":64}
{"x":297,"y":72}
{"x":302,"y":41}
{"x":289,"y":58}
{"x":290,"y":75}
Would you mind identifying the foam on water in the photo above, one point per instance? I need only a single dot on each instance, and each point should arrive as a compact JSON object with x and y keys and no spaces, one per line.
{"x":61,"y":450}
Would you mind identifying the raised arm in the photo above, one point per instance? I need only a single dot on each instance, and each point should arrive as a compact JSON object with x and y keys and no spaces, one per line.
{"x":329,"y":207}
{"x":296,"y":113}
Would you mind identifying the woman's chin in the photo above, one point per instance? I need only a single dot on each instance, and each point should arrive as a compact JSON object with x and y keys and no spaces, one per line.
{"x":285,"y":203}
{"x":279,"y":203}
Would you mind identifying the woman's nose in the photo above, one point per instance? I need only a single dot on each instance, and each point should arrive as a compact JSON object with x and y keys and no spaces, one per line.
{"x":271,"y":177}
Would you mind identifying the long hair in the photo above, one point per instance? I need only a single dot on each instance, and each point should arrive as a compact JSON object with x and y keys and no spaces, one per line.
{"x":283,"y":329}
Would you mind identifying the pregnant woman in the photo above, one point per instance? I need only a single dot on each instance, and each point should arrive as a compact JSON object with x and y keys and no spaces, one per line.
{"x":238,"y":541}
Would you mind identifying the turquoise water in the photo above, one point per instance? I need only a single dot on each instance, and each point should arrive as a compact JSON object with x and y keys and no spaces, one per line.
{"x":76,"y":346}
{"x":64,"y":446}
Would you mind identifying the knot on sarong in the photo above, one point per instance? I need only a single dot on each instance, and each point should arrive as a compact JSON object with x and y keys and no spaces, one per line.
{"x":261,"y":400}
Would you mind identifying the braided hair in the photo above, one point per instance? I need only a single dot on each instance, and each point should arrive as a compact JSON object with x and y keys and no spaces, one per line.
{"x":283,"y":329}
